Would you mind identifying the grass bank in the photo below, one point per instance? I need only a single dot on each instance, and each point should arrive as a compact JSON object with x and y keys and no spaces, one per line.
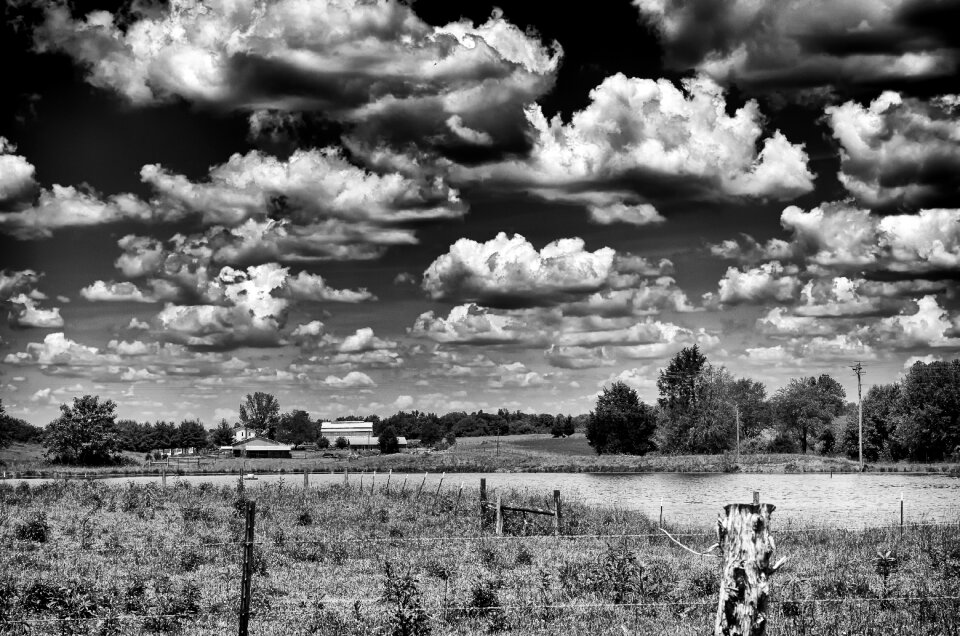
{"x":141,"y":559}
{"x":516,"y":453}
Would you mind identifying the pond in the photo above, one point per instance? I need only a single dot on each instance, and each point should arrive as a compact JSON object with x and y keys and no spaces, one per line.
{"x":849,"y":500}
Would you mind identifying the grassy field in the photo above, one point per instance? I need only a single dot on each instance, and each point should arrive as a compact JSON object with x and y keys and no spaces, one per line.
{"x":515,"y":453}
{"x":140,"y":559}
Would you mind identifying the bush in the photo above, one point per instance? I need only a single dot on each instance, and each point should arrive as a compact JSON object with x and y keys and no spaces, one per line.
{"x":341,"y":443}
{"x":35,"y":529}
{"x":407,"y":617}
{"x":322,"y":443}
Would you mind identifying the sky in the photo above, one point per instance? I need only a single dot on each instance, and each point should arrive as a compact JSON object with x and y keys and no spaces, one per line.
{"x":371,"y":206}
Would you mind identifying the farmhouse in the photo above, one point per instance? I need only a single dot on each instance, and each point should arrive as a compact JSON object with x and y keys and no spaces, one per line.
{"x":241,"y":433}
{"x":261,"y":447}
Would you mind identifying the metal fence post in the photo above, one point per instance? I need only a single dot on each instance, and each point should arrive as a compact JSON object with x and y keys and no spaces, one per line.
{"x":247,"y":569}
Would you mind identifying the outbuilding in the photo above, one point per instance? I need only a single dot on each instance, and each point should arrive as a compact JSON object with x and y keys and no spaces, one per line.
{"x":261,"y":447}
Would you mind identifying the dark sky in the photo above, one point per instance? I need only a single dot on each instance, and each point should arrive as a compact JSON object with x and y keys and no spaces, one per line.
{"x":373,"y":206}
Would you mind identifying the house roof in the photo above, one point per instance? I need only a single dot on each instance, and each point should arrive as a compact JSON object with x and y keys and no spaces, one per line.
{"x":261,"y":443}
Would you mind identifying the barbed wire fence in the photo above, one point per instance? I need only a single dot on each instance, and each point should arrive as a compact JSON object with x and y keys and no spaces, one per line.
{"x":232,"y":566}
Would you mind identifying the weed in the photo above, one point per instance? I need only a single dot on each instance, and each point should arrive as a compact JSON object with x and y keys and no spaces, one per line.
{"x":484,"y":603}
{"x":34,"y":529}
{"x":304,"y":518}
{"x":407,"y":616}
{"x":617,"y":574}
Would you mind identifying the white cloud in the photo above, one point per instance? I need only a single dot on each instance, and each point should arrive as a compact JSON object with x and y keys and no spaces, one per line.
{"x":66,"y":206}
{"x":306,"y":286}
{"x":311,"y":329}
{"x":403,"y":402}
{"x":770,"y":281}
{"x":471,"y":324}
{"x":14,"y":282}
{"x":353,"y":379}
{"x":16,"y":173}
{"x":25,"y":313}
{"x":898,"y":150}
{"x":511,"y":272}
{"x":363,"y":340}
{"x":930,"y":326}
{"x":618,"y":212}
{"x":577,"y":357}
{"x":653,"y":134}
{"x":100,"y":291}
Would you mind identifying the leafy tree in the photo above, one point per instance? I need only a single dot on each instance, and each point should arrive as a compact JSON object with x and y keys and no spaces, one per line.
{"x":84,"y":433}
{"x":341,"y":443}
{"x":751,"y":398}
{"x":296,"y":427}
{"x":261,"y":412}
{"x":881,"y":409}
{"x":430,"y":432}
{"x":222,"y":435}
{"x":164,"y":435}
{"x":806,"y":405}
{"x":621,"y":423}
{"x":708,"y":424}
{"x":568,"y":426}
{"x":388,"y":441}
{"x":323,"y":442}
{"x":679,"y":381}
{"x":5,"y":436}
{"x":192,"y":434}
{"x":557,"y":429}
{"x":929,"y":425}
{"x":450,"y":438}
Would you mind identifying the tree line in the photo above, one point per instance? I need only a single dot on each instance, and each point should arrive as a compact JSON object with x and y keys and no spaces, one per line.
{"x":700,"y":405}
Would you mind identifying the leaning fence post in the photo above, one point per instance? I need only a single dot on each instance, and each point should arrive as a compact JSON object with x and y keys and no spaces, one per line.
{"x":386,"y":489}
{"x":557,"y":514}
{"x":456,"y":508}
{"x":498,"y":524}
{"x":373,"y":481}
{"x":743,"y":535}
{"x":417,"y":498}
{"x":247,"y":569}
{"x":484,"y":513}
{"x":306,"y":478}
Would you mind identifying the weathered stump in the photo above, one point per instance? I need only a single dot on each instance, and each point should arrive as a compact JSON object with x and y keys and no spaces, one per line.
{"x":747,"y":545}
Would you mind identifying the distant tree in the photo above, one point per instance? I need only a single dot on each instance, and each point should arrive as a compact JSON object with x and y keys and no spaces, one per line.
{"x":388,"y":441}
{"x":341,"y":443}
{"x":806,"y":405}
{"x":928,"y":428}
{"x":750,"y":396}
{"x":568,"y":426}
{"x":881,"y":409}
{"x":323,"y":442}
{"x":84,"y":433}
{"x":192,"y":434}
{"x":296,"y":427}
{"x":430,"y":432}
{"x":678,"y":383}
{"x":704,"y":425}
{"x":164,"y":435}
{"x":557,"y":429}
{"x":222,"y":435}
{"x":4,"y":427}
{"x":261,"y":412}
{"x":450,"y":438}
{"x":621,"y":423}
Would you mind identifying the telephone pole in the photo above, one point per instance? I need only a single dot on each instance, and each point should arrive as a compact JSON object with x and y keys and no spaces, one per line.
{"x":737,"y":411}
{"x":858,"y":369}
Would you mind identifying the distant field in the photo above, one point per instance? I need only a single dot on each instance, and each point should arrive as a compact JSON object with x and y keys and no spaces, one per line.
{"x":575,"y":445}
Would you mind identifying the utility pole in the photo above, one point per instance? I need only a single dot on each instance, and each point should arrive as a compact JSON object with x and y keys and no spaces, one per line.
{"x":858,"y":369}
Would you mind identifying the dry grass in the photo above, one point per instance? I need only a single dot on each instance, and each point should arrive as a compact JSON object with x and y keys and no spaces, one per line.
{"x":143,"y":550}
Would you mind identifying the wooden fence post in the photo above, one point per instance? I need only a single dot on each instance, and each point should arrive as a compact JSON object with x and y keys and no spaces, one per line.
{"x":498,"y":523}
{"x":306,"y":479}
{"x":247,"y":570}
{"x":386,"y":490}
{"x":484,"y":513}
{"x":373,"y":481}
{"x":557,"y":514}
{"x":163,"y":476}
{"x":403,"y":486}
{"x":744,"y":538}
{"x":346,"y":480}
{"x":417,"y":498}
{"x":456,"y":508}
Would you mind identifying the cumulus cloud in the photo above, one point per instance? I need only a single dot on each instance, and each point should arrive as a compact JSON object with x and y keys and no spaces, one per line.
{"x":25,"y":313}
{"x":516,"y":375}
{"x":899,"y":151}
{"x":16,"y":173}
{"x":839,"y":236}
{"x":354,"y":379}
{"x":511,"y":272}
{"x":770,"y":281}
{"x":804,"y":352}
{"x":67,"y":206}
{"x":638,"y":214}
{"x":100,"y":291}
{"x":930,"y":326}
{"x":17,"y":282}
{"x":306,"y":286}
{"x":577,"y":357}
{"x":642,"y":140}
{"x":817,"y":45}
{"x":472,"y":324}
{"x":375,"y":66}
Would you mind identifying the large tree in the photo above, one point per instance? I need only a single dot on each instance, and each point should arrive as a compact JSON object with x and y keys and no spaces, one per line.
{"x":296,"y":427}
{"x":678,"y":383}
{"x":222,"y":435}
{"x":750,"y":397}
{"x":621,"y":423}
{"x":881,"y":408}
{"x":806,"y":405}
{"x":84,"y":433}
{"x":705,"y":426}
{"x":192,"y":434}
{"x":929,"y":424}
{"x":261,"y":412}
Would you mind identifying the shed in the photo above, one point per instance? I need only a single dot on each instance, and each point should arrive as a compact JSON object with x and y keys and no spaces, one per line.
{"x":358,"y":442}
{"x":261,"y":447}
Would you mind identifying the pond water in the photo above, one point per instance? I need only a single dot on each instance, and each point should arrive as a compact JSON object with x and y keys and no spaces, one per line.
{"x":850,"y":500}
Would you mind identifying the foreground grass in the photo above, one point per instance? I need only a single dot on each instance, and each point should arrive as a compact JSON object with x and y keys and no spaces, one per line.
{"x":339,"y":561}
{"x":515,"y":453}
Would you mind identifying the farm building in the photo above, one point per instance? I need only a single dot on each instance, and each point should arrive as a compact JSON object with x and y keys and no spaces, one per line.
{"x":241,"y":433}
{"x":351,"y":428}
{"x":361,"y":442}
{"x":261,"y":447}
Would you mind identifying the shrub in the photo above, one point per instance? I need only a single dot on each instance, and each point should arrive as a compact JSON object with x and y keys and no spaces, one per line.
{"x":34,"y":529}
{"x":341,"y":443}
{"x":407,"y":617}
{"x":323,"y":442}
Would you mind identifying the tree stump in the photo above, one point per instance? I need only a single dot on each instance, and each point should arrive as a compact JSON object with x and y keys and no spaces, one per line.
{"x":747,"y":546}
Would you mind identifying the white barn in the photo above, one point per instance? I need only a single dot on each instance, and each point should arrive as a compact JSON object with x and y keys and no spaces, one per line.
{"x":350,"y":428}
